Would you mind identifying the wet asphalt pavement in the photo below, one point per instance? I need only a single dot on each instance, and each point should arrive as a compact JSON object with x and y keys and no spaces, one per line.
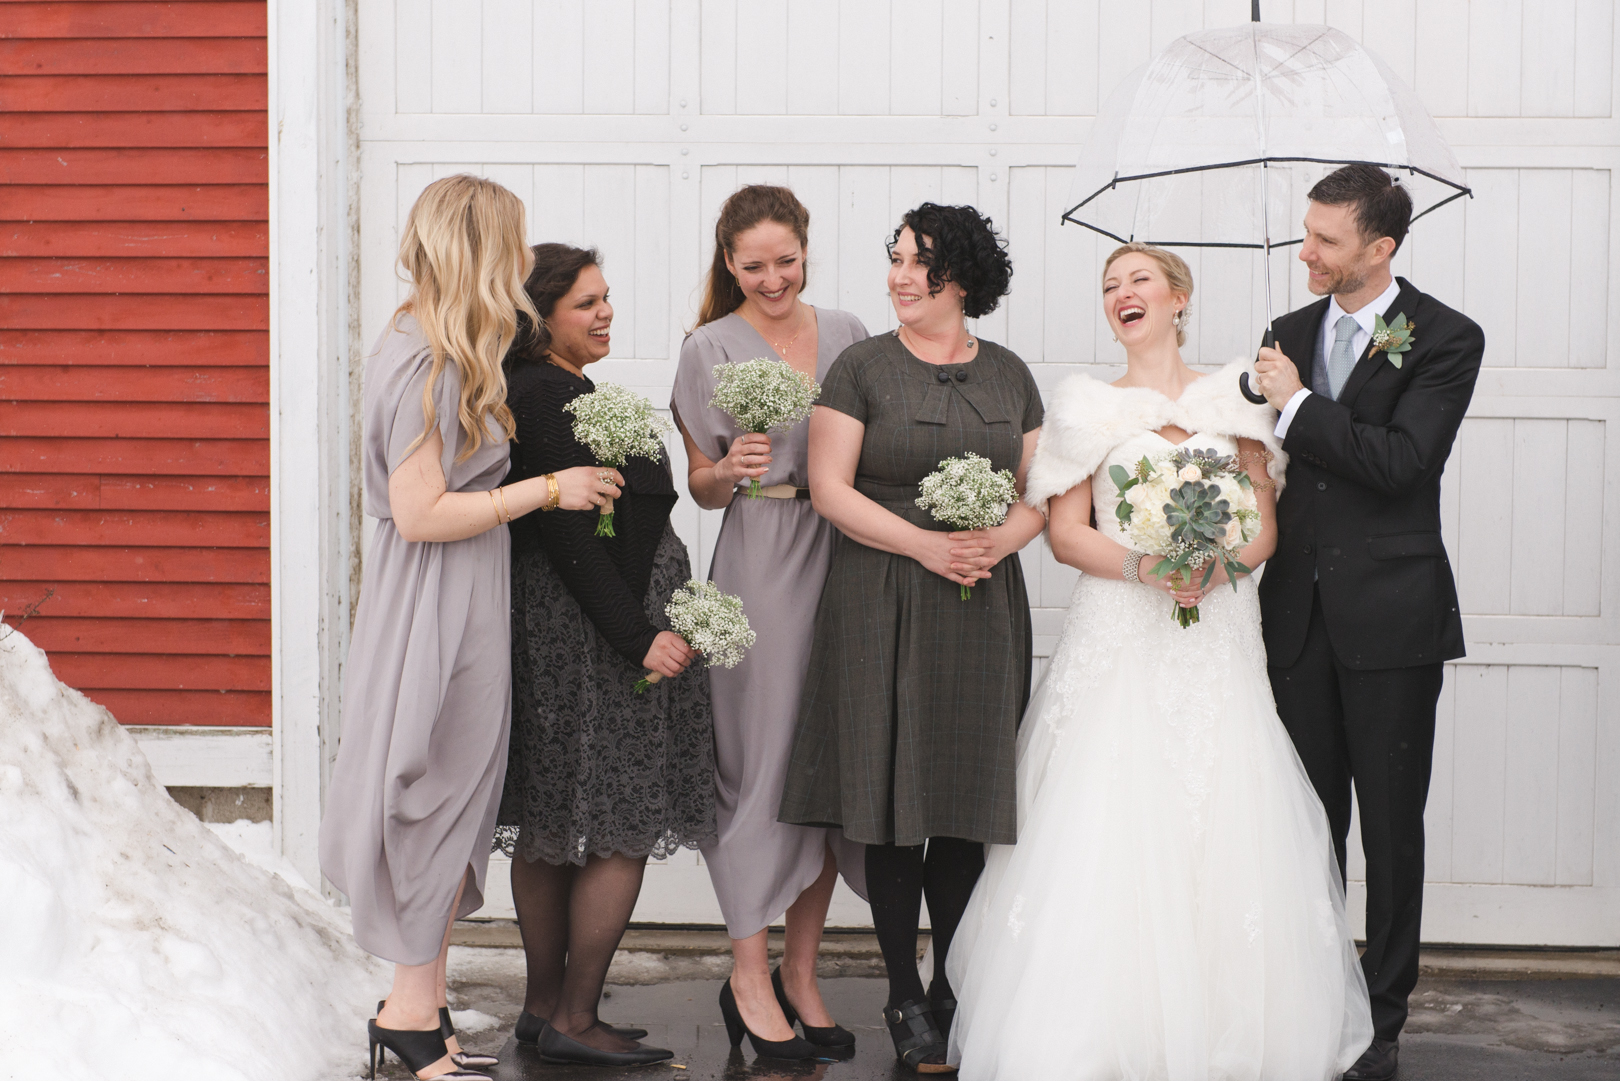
{"x":1460,"y":1030}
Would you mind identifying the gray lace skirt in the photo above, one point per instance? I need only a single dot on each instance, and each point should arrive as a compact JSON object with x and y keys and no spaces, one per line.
{"x":594,"y":768}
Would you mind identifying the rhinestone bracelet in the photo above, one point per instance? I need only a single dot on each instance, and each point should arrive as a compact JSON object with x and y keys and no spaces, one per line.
{"x":1132,"y":567}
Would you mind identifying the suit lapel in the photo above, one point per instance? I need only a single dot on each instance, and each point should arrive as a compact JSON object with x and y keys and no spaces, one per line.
{"x":1297,"y":338}
{"x":1405,"y":303}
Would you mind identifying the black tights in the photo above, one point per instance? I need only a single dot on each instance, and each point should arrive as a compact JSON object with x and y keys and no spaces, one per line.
{"x":572,"y":919}
{"x":897,"y":877}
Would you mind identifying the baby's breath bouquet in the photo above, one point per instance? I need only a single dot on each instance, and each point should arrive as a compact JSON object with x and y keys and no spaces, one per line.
{"x":968,"y":494}
{"x":712,"y":623}
{"x":1195,"y":508}
{"x":617,"y":425}
{"x":763,"y":395}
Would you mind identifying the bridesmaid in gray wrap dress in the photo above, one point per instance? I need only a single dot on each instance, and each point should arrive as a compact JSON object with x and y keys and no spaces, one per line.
{"x":773,"y":552}
{"x":426,"y":691}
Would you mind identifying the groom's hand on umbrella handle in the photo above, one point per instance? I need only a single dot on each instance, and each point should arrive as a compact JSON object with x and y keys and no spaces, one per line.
{"x":1276,"y":377}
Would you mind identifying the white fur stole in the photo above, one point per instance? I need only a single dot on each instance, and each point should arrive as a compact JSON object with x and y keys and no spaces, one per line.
{"x":1088,"y":418}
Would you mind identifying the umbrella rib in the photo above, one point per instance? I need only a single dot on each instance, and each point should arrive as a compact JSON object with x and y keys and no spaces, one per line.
{"x":1275,"y":159}
{"x":1217,"y":56}
{"x":1290,"y":56}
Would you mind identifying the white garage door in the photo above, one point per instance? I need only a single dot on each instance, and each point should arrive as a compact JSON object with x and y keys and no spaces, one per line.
{"x":624,"y":123}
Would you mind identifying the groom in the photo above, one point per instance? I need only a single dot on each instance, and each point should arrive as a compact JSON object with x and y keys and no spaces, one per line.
{"x":1358,"y":602}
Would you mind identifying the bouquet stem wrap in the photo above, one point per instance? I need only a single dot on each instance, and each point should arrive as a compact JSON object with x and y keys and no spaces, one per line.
{"x":763,"y":396}
{"x":968,"y":494}
{"x":711,"y":622}
{"x":1194,"y":508}
{"x":617,"y":425}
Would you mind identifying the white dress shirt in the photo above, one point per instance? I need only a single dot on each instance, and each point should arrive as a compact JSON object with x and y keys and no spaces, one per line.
{"x":1358,"y":344}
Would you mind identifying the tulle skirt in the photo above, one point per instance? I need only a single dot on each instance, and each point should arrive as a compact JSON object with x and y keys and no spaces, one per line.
{"x":1172,"y":910}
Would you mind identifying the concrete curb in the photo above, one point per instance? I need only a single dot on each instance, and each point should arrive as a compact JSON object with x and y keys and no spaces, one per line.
{"x":649,"y":956}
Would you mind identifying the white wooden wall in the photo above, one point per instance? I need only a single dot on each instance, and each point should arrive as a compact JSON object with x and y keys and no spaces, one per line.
{"x":624,"y":123}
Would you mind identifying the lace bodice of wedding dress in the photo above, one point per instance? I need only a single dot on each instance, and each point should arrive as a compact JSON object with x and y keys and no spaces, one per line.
{"x":1172,"y":910}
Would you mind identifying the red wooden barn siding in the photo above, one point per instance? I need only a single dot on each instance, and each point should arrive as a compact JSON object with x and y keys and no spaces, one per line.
{"x":134,"y":350}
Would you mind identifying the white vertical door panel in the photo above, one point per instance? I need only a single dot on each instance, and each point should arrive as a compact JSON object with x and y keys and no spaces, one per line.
{"x":624,"y":124}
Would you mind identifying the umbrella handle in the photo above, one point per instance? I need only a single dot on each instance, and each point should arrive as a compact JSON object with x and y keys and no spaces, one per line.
{"x":1266,"y":342}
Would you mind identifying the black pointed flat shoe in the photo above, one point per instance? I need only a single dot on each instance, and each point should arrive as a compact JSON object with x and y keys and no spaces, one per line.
{"x":559,"y":1050}
{"x":527,"y":1029}
{"x":836,"y":1038}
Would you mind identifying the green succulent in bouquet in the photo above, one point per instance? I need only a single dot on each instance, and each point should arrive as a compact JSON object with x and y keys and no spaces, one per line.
{"x":1198,"y":518}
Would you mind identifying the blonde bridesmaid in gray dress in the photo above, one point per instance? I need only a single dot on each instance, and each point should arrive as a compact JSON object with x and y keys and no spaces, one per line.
{"x":773,"y":552}
{"x":426,"y":692}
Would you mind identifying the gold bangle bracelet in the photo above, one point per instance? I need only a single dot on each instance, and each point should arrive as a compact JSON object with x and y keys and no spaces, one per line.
{"x":494,"y":508}
{"x":553,"y":493}
{"x":504,"y":507}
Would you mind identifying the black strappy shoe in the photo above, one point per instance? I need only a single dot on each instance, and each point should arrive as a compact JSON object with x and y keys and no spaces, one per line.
{"x":835,"y":1038}
{"x":790,"y":1049}
{"x":416,"y":1049}
{"x":944,"y":1011}
{"x":917,"y":1040}
{"x":528,"y":1028}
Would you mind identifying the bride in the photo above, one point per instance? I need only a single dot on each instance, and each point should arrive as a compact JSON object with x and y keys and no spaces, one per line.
{"x":1172,"y":909}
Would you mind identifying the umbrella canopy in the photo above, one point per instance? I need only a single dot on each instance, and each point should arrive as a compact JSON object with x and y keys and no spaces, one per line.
{"x":1206,"y":142}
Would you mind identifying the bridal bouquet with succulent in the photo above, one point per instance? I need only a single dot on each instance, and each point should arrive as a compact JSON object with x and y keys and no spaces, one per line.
{"x":712,"y":622}
{"x":968,"y":494}
{"x":617,"y":424}
{"x":1194,"y":508}
{"x":762,"y":396}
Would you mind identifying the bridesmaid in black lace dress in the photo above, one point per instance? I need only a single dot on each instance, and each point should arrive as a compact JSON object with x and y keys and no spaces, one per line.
{"x":598,"y":777}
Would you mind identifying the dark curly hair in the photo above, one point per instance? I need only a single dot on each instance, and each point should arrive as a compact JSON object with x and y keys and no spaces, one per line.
{"x":962,"y":247}
{"x":556,"y":268}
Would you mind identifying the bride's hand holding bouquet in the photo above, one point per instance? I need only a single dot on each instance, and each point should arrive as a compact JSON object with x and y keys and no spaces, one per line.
{"x":1196,"y":510}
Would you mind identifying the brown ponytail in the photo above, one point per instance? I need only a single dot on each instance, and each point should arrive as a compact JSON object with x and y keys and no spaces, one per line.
{"x":746,"y":208}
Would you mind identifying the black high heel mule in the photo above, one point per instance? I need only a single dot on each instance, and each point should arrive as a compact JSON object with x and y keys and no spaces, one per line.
{"x":465,"y":1059}
{"x":416,"y":1049}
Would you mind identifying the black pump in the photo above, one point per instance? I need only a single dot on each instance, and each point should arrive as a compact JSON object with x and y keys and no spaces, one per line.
{"x":835,"y":1038}
{"x":791,"y":1049}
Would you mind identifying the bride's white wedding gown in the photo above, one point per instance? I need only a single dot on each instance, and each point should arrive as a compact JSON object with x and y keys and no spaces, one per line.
{"x":1172,"y":909}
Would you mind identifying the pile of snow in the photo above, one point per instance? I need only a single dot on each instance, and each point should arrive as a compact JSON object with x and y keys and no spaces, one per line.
{"x":134,"y":943}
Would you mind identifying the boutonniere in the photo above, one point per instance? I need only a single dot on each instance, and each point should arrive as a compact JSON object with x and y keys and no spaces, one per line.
{"x":1392,"y":338}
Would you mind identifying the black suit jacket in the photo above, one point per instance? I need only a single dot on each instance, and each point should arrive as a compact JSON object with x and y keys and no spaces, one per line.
{"x":1360,"y":517}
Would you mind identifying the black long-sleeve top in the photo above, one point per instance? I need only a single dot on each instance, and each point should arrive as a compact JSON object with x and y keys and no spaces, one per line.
{"x":608,"y":576}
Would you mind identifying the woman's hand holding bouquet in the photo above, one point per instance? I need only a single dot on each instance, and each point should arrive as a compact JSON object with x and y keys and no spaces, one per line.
{"x":1193,"y":508}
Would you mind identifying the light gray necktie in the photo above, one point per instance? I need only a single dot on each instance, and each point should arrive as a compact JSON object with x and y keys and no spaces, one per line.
{"x":1342,"y":359}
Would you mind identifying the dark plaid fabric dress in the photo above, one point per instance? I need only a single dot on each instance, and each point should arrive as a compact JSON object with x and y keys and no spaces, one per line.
{"x":909,"y":721}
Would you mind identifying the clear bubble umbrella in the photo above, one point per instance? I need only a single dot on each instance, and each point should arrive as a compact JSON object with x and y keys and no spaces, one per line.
{"x":1206,"y":144}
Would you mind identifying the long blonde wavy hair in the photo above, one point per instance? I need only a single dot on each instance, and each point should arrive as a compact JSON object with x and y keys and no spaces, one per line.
{"x":464,"y":250}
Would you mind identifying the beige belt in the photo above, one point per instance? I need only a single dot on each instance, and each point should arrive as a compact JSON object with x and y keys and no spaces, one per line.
{"x":782,"y":491}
